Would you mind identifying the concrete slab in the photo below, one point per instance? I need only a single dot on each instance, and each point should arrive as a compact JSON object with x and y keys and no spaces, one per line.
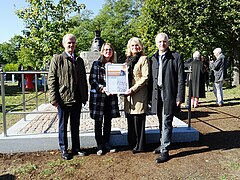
{"x":34,"y":141}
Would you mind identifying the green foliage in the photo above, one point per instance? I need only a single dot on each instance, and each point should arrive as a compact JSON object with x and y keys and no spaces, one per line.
{"x":11,"y":67}
{"x":115,"y":21}
{"x":191,"y":25}
{"x":46,"y":23}
{"x":84,"y":30}
{"x":27,"y":57}
{"x":8,"y":50}
{"x":235,"y":166}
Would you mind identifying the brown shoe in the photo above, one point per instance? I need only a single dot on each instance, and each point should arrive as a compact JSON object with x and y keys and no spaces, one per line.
{"x":220,"y":105}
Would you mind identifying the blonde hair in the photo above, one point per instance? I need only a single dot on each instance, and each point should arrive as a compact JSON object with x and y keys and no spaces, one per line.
{"x":102,"y":53}
{"x":138,"y":42}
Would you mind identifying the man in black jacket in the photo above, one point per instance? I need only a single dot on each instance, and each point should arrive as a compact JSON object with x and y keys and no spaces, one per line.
{"x":168,"y":90}
{"x":68,"y":91}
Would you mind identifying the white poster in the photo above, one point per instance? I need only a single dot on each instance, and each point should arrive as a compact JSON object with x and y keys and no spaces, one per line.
{"x":116,"y":78}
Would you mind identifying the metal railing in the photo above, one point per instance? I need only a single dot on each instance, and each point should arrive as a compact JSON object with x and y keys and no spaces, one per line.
{"x":24,"y":100}
{"x":44,"y":73}
{"x":189,"y":71}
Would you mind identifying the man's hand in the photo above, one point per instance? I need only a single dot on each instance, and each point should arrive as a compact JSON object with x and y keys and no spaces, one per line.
{"x":178,"y":103}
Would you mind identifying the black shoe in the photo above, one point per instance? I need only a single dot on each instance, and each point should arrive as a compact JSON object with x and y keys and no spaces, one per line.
{"x":163,"y":157}
{"x":134,"y":151}
{"x":65,"y":155}
{"x":157,"y":150}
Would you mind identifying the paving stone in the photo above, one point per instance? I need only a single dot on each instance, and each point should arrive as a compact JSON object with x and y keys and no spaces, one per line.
{"x":48,"y":123}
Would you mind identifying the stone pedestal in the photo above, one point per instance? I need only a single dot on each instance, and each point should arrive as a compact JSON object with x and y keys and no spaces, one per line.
{"x":88,"y":58}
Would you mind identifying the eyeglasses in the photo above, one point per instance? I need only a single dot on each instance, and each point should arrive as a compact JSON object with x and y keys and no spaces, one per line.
{"x":107,"y":49}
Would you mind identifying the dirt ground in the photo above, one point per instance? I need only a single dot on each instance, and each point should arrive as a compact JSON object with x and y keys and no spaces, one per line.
{"x":215,"y":156}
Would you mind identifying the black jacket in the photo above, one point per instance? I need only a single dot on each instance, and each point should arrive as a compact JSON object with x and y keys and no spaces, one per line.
{"x":173,"y":84}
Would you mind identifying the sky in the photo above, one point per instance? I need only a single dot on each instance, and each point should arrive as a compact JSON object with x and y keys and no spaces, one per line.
{"x":11,"y":25}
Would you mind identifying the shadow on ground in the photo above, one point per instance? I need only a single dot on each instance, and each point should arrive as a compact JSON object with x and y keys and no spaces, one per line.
{"x":7,"y":177}
{"x":225,"y":140}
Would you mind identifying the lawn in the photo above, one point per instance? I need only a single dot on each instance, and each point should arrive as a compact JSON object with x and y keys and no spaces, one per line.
{"x":13,"y":102}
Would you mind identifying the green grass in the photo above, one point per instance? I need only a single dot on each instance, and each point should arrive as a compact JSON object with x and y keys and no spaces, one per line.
{"x":13,"y":97}
{"x":25,"y":168}
{"x":235,"y":166}
{"x":230,"y":96}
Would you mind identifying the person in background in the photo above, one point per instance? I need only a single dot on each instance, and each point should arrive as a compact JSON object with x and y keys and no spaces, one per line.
{"x":29,"y":79}
{"x":136,"y":99}
{"x":103,"y":105}
{"x":68,"y":90}
{"x":205,"y":60}
{"x":219,"y":66}
{"x":168,"y":89}
{"x":198,"y":79}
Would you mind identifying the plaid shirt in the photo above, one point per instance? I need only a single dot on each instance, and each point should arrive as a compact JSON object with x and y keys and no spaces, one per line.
{"x":97,"y":98}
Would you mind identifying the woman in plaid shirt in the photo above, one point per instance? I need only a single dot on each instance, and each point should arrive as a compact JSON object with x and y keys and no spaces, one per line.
{"x":103,"y":106}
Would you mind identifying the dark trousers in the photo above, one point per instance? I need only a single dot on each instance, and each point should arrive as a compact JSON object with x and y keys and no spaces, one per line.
{"x":103,"y":128}
{"x":136,"y":131}
{"x":72,"y":113}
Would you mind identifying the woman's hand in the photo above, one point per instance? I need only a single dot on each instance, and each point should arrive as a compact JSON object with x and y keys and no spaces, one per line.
{"x":129,"y":92}
{"x":104,"y":90}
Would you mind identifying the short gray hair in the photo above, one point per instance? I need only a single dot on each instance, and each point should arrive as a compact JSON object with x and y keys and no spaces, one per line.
{"x":196,"y":54}
{"x":162,"y":34}
{"x":217,"y":50}
{"x":68,"y":35}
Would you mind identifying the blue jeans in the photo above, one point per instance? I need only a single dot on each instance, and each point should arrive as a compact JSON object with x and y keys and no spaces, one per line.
{"x":64,"y":113}
{"x":165,"y":125}
{"x":218,"y":91}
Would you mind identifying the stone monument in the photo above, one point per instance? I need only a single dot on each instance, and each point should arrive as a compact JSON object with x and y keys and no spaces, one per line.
{"x":90,"y":56}
{"x":97,"y":42}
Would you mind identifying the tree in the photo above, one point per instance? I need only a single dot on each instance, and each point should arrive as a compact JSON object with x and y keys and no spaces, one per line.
{"x":46,"y":22}
{"x":84,"y":30}
{"x":191,"y":25}
{"x":8,"y":50}
{"x":115,"y":21}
